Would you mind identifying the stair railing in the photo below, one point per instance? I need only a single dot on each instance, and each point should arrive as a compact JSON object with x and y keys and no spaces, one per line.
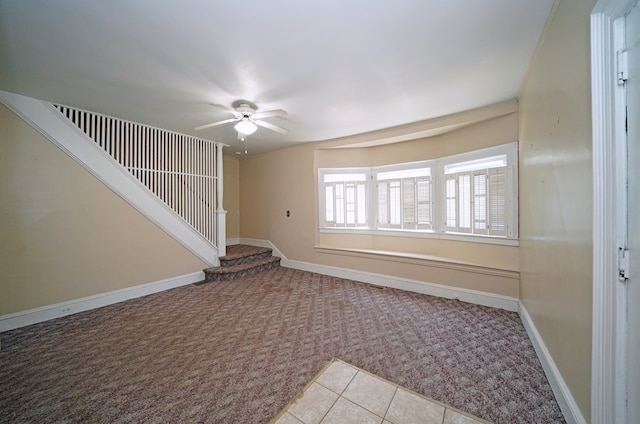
{"x":185,"y":172}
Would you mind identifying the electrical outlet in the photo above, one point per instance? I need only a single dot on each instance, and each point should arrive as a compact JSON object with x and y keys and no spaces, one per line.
{"x":64,"y":311}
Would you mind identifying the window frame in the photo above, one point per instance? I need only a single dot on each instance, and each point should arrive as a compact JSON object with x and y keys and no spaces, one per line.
{"x":401,"y":180}
{"x":510,"y":152}
{"x":438,"y":202}
{"x":322,"y":200}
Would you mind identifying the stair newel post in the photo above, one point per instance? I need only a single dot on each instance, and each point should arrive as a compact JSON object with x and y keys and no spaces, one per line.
{"x":221,"y":214}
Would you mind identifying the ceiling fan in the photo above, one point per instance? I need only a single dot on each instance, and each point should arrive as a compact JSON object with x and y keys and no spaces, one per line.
{"x":247,"y":118}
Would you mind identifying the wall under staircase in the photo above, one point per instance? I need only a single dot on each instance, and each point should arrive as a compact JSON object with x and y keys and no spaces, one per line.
{"x":50,"y":122}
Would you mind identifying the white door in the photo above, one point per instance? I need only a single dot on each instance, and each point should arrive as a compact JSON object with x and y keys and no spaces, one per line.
{"x":632,"y":38}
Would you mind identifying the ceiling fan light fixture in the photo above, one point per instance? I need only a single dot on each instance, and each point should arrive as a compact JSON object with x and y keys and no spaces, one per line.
{"x":245,"y":126}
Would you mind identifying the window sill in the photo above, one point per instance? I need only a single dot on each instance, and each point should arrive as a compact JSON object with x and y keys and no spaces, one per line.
{"x":424,"y":234}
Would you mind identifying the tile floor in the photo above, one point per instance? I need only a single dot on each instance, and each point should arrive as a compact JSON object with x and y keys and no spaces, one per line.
{"x":344,"y":394}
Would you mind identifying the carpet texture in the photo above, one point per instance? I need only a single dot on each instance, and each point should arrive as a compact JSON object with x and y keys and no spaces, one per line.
{"x":238,"y":351}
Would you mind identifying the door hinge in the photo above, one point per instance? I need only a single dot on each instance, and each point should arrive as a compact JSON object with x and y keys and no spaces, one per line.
{"x":623,"y":264}
{"x":622,"y":71}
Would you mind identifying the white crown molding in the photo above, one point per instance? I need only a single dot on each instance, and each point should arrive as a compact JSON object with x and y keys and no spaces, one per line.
{"x":43,"y":117}
{"x":429,"y":128}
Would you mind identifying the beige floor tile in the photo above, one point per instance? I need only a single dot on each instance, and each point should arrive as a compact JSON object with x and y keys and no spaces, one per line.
{"x":337,"y":376}
{"x":453,"y":417}
{"x":407,"y":407}
{"x":366,"y":399}
{"x":287,"y":418}
{"x":347,"y":412}
{"x":313,"y":405}
{"x":370,"y":392}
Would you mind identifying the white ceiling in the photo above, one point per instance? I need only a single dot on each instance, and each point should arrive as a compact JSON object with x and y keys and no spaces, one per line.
{"x":338,"y":67}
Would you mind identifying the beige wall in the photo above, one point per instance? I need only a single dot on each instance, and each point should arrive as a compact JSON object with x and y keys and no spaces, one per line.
{"x":556,"y":195}
{"x":64,"y":234}
{"x":231,"y":201}
{"x":286,"y":179}
{"x":271,"y":184}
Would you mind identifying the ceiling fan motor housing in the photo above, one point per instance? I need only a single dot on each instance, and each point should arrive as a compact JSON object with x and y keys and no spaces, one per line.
{"x":245,"y":107}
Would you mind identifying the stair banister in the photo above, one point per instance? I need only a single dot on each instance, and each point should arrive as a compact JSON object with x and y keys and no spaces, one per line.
{"x":221,"y":214}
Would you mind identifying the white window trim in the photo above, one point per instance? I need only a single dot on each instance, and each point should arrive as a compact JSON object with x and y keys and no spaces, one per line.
{"x":322,"y":200}
{"x":511,"y":151}
{"x":375,"y":171}
{"x":438,"y":205}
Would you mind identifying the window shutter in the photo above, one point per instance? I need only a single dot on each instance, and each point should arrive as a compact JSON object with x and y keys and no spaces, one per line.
{"x":344,"y":201}
{"x":497,"y":201}
{"x":329,"y":217}
{"x":361,"y":204}
{"x":408,"y":202}
{"x":480,"y":202}
{"x":464,"y":202}
{"x":383,"y":202}
{"x":423,"y":187}
{"x":340,"y":204}
{"x":394,"y":203}
{"x":476,"y":194}
{"x":452,"y":202}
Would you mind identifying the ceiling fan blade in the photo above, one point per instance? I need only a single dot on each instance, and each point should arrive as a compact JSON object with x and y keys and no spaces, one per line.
{"x":221,"y":106}
{"x":272,"y":127}
{"x":213,"y":124}
{"x":228,"y":109}
{"x":269,"y":113}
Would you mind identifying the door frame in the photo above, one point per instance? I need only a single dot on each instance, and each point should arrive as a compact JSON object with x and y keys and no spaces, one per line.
{"x":608,"y":370}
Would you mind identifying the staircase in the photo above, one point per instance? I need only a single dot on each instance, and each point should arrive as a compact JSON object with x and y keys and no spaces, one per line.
{"x":242,"y":260}
{"x":174,"y":180}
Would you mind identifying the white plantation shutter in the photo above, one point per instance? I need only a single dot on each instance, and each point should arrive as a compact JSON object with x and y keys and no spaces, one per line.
{"x":478,"y":193}
{"x":383,"y":203}
{"x":477,"y":197}
{"x":345,"y":200}
{"x":459,"y":205}
{"x":423,"y":196}
{"x":472,"y":193}
{"x":361,"y":205}
{"x":350,"y":203}
{"x":451,"y":198}
{"x":394,"y":203}
{"x":329,"y":210}
{"x":464,"y":203}
{"x":497,"y":201}
{"x":409,"y":202}
{"x":404,"y":198}
{"x":339,"y":200}
{"x":480,"y":202}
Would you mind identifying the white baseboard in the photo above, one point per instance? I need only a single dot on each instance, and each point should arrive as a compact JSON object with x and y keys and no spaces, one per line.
{"x":232,"y":241}
{"x":567,"y":403}
{"x":433,"y":289}
{"x":45,"y":313}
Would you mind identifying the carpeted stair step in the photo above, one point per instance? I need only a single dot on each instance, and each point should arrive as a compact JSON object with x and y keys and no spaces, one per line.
{"x":241,"y":253}
{"x":242,"y":270}
{"x":240,"y":261}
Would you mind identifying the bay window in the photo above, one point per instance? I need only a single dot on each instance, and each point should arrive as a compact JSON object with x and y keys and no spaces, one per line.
{"x":470,"y":194}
